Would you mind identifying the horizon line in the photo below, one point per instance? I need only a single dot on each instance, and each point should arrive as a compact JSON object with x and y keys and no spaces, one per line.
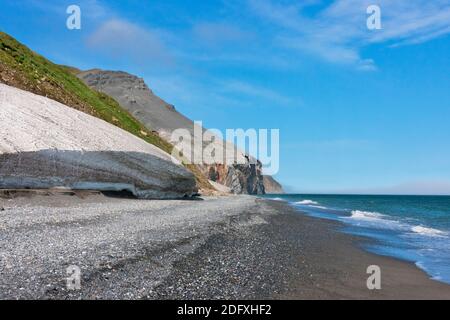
{"x":361,"y":194}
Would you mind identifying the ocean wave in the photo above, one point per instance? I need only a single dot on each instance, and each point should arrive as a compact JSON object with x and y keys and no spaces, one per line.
{"x":318,"y":207}
{"x":375,"y":220}
{"x":277,"y":199}
{"x":409,"y":234}
{"x":378,"y":220}
{"x":358,"y":214}
{"x":307,"y":202}
{"x":427,"y":231}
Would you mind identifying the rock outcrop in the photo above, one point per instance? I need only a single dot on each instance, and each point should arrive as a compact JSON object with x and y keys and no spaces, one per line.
{"x":45,"y":144}
{"x":272,"y":186}
{"x":134,"y":95}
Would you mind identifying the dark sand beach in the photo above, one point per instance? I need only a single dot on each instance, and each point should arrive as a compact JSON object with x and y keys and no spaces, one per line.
{"x":236,"y":247}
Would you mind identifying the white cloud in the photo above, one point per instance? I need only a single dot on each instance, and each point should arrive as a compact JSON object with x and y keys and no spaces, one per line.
{"x":190,"y":93}
{"x":367,"y":65}
{"x":423,"y":38}
{"x":121,"y":39}
{"x":337,"y":33}
{"x":90,"y":9}
{"x":253,"y":91}
{"x":227,"y":93}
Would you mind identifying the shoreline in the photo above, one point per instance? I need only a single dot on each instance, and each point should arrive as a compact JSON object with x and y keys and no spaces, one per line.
{"x":239,"y":247}
{"x":346,"y":277}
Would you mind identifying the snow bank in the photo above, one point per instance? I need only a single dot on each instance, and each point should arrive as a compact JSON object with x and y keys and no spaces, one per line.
{"x":45,"y":144}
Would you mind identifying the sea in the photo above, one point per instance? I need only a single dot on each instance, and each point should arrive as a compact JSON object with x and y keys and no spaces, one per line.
{"x":411,"y":228}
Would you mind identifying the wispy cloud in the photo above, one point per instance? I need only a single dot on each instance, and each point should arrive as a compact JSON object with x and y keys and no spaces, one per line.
{"x":124,"y":40}
{"x":91,"y":9}
{"x":272,"y":35}
{"x":422,"y":38}
{"x":254,"y":92}
{"x":337,"y":33}
{"x":218,"y":92}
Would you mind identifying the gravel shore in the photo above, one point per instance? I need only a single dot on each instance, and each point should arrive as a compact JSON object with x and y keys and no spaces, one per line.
{"x":125,"y":248}
{"x":236,"y":247}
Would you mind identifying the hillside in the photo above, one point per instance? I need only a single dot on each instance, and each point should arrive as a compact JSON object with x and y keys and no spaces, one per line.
{"x":22,"y":68}
{"x":45,"y":144}
{"x":272,"y":186}
{"x":136,"y":97}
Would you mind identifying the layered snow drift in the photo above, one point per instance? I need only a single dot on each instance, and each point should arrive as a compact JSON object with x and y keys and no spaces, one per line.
{"x":45,"y":144}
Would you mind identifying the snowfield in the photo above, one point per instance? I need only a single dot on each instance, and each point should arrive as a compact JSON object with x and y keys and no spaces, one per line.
{"x":45,"y":144}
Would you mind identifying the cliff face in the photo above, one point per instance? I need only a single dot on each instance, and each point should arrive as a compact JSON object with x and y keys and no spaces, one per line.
{"x":45,"y":144}
{"x":272,"y":186}
{"x":157,"y":115}
{"x":133,"y":95}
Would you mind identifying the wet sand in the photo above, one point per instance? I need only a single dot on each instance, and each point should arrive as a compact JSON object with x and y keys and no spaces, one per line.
{"x":337,"y":265}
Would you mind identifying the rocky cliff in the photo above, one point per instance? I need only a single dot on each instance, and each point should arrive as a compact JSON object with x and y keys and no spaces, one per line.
{"x":272,"y":186}
{"x":45,"y":144}
{"x":159,"y":116}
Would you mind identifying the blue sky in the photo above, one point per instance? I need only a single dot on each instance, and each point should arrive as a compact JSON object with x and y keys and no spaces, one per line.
{"x":358,"y":110}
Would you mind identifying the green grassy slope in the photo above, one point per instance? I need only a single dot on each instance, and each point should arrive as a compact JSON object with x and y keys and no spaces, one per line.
{"x":22,"y":68}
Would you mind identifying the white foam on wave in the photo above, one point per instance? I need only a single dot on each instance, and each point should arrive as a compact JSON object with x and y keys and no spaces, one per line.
{"x":375,"y":220}
{"x":277,"y":199}
{"x":307,"y":202}
{"x":366,"y":215}
{"x":318,"y":207}
{"x":427,"y":231}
